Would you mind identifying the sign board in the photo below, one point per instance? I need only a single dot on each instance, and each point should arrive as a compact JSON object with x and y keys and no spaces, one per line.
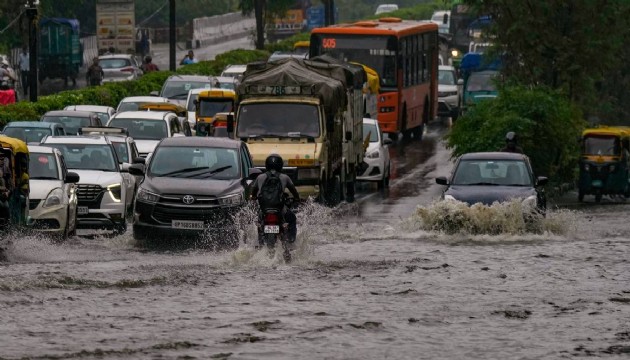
{"x":115,"y":24}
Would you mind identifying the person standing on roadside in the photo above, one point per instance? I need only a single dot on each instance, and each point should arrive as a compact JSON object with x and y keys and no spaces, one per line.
{"x":189,"y":58}
{"x":95,"y":74}
{"x":24,"y":63}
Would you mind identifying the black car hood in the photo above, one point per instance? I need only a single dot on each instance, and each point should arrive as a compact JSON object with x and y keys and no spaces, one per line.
{"x":179,"y":186}
{"x":485,"y":194}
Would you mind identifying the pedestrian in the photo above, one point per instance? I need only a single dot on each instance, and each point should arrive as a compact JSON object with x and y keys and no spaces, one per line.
{"x":189,"y":58}
{"x":24,"y":63}
{"x":511,"y":143}
{"x":95,"y":74}
{"x":148,"y":65}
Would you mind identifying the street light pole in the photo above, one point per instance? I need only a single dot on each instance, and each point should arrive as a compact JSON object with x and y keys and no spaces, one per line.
{"x":33,"y":27}
{"x":172,"y":36}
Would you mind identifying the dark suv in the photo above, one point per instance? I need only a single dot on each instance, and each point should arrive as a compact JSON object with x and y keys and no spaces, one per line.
{"x":192,"y":186}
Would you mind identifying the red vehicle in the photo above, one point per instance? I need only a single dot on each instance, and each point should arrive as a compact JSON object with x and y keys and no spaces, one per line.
{"x":404,"y":53}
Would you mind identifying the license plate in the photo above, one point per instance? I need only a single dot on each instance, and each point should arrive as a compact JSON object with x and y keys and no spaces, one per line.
{"x":82,"y":210}
{"x":272,"y":229}
{"x":185,"y":224}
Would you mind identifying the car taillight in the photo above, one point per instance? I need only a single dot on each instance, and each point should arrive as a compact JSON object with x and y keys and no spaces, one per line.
{"x":127,"y":69}
{"x":271,"y":218}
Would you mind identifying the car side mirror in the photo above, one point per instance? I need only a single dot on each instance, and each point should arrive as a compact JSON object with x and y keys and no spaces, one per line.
{"x":441,"y":180}
{"x":139,"y":160}
{"x":387,"y":141}
{"x":541,"y":180}
{"x":445,"y":19}
{"x":136,"y":169}
{"x":154,"y":93}
{"x":124,"y":167}
{"x":253,"y":173}
{"x":72,"y":178}
{"x":460,"y":82}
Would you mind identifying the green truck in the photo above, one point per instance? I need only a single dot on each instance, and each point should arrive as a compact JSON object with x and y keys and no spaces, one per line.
{"x":60,"y":51}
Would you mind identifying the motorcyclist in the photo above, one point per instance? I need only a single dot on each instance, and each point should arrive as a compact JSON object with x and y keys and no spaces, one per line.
{"x":274,"y":164}
{"x":511,"y":143}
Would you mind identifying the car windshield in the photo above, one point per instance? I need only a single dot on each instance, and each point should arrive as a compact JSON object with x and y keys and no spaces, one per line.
{"x":122,"y":152}
{"x":27,"y":134}
{"x":600,"y":145}
{"x":481,"y":81}
{"x":114,"y":63}
{"x":195,"y":162}
{"x":209,"y":107}
{"x":371,"y":130}
{"x":492,"y":172}
{"x":446,"y":77}
{"x":103,"y":116}
{"x":177,"y":89}
{"x":87,"y":156}
{"x":43,"y":167}
{"x":130,"y":105}
{"x":141,"y":129}
{"x":227,"y":85}
{"x":279,"y":120}
{"x":71,"y":124}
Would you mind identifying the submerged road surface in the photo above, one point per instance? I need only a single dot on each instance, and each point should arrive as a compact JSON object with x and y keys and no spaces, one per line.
{"x":367,"y":283}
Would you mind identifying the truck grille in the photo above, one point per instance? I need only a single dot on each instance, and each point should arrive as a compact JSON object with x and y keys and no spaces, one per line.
{"x":87,"y":192}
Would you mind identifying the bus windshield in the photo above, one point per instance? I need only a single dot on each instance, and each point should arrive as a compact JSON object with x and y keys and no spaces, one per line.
{"x":377,"y":52}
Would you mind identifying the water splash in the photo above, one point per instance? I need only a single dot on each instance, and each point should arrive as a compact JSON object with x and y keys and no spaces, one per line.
{"x":453,"y":217}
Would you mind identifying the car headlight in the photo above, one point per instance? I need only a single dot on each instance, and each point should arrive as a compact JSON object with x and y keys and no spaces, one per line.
{"x":147,"y":196}
{"x":449,"y":198}
{"x":54,"y":198}
{"x":530,"y":202}
{"x":231,"y":200}
{"x":115,"y":191}
{"x":373,"y":155}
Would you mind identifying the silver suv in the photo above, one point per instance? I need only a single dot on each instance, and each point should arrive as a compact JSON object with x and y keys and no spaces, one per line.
{"x":103,"y":203}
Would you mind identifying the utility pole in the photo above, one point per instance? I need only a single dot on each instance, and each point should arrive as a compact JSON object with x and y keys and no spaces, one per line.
{"x":33,"y":29}
{"x":172,"y":37}
{"x":329,"y":12}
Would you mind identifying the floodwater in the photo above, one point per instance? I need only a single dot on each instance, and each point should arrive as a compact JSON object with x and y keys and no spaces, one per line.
{"x":377,"y":279}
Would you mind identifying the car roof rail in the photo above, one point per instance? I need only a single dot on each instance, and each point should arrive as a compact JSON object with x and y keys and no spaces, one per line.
{"x":103,"y":130}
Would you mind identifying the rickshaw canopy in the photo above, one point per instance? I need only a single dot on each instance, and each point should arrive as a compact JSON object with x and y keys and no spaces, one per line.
{"x":15,"y":145}
{"x":177,"y":109}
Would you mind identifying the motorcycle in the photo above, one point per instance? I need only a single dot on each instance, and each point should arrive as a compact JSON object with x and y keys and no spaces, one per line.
{"x":273,"y":228}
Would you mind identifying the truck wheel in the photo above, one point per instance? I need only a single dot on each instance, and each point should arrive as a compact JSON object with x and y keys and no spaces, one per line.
{"x":417,"y":132}
{"x":334,"y":191}
{"x":351,"y":190}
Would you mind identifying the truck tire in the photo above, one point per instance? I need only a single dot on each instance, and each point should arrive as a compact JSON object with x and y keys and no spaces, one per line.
{"x":333,"y":197}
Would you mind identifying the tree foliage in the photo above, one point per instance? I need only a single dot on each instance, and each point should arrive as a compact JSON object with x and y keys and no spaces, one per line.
{"x":264,"y":11}
{"x":573,"y":46}
{"x":548,"y":126}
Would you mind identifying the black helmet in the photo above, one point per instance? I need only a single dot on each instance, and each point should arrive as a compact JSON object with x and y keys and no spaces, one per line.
{"x":511,"y":137}
{"x":274,"y":162}
{"x":148,"y":58}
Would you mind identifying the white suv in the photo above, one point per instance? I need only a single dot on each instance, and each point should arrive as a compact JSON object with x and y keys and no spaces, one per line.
{"x":102,"y":202}
{"x":147,"y":128}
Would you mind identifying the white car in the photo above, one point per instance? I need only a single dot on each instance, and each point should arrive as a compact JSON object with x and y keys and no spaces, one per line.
{"x":132,"y":103}
{"x":234,"y":71}
{"x":120,"y":67}
{"x":53,"y":196}
{"x":103,"y":201}
{"x":377,"y":155}
{"x":385,"y":8}
{"x":438,"y":17}
{"x":103,"y":112}
{"x":147,"y":128}
{"x":448,"y":92}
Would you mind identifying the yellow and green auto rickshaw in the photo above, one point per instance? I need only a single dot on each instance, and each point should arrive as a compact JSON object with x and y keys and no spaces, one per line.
{"x":605,"y":163}
{"x":14,"y":183}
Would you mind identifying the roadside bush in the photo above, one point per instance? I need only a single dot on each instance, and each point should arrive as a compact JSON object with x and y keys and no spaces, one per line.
{"x":110,"y":94}
{"x":547,"y":124}
{"x":287,"y":44}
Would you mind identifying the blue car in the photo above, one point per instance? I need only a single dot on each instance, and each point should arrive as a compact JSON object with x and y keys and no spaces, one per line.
{"x":32,"y":131}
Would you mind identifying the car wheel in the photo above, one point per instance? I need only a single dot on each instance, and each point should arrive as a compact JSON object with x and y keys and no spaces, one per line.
{"x":384,"y":182}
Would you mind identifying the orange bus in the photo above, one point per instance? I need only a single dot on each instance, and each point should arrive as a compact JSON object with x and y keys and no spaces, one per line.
{"x":405,"y":55}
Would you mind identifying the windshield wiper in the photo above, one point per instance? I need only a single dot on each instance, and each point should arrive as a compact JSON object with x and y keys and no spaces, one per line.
{"x":217,"y":170}
{"x":178,"y":95}
{"x":181,"y":171}
{"x":483,"y":183}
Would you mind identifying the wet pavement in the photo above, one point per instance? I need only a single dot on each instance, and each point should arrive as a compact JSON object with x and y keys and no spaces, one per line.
{"x":368,"y":281}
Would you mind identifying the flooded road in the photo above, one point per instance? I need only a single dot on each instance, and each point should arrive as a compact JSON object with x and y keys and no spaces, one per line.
{"x":367,"y":283}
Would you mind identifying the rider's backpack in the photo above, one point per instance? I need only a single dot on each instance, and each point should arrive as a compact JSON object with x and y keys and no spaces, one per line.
{"x":271,"y":191}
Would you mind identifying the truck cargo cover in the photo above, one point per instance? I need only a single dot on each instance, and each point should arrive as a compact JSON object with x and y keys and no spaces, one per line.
{"x":294,"y":72}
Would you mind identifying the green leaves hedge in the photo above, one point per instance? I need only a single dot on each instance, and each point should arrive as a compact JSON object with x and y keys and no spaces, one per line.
{"x":110,"y":94}
{"x":547,"y":124}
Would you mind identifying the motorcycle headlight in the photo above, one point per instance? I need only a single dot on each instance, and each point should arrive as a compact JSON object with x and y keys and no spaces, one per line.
{"x":449,"y":198}
{"x":54,"y":198}
{"x":231,"y":200}
{"x":373,"y":155}
{"x":115,"y":192}
{"x":587,"y":167}
{"x":530,"y":202}
{"x":612,"y":168}
{"x":147,"y":196}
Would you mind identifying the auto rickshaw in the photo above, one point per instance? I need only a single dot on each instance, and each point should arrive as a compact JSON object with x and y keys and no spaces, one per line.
{"x":605,"y":162}
{"x":14,"y":182}
{"x":177,"y":109}
{"x":208,"y":105}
